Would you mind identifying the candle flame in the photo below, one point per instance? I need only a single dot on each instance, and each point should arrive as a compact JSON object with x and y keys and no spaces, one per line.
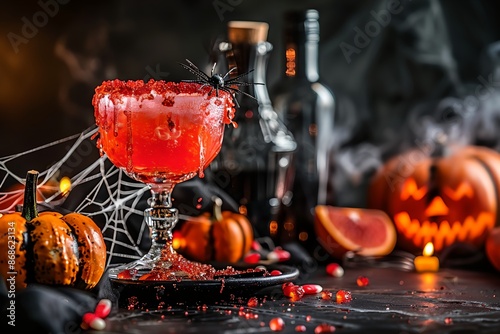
{"x":178,"y":241}
{"x":65,"y":185}
{"x":428,"y":249}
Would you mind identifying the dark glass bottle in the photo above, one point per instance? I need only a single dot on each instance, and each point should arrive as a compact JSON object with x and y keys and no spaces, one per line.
{"x":307,"y":107}
{"x":256,"y":155}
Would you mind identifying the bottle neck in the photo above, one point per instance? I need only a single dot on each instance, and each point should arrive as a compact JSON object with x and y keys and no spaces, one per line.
{"x":301,"y":47}
{"x":251,"y":59}
{"x":305,"y":62}
{"x":259,"y":109}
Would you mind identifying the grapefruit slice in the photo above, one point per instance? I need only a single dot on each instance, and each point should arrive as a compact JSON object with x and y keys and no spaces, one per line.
{"x":368,"y":232}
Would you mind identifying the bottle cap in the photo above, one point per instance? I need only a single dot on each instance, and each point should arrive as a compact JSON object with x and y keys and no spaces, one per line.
{"x":247,"y":32}
{"x":303,"y":23}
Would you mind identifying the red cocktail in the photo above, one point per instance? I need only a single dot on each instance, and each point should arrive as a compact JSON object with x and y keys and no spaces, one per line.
{"x":160,"y":133}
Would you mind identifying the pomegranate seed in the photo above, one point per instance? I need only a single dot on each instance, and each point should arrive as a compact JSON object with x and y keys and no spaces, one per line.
{"x":343,"y":296}
{"x":300,"y":328}
{"x":326,"y":295}
{"x":448,"y":321}
{"x":103,"y":308}
{"x":297,"y":293}
{"x":252,"y":258}
{"x":276,"y":273}
{"x":308,"y":318}
{"x":286,"y":288}
{"x":362,"y":281}
{"x":253,"y":302}
{"x":324,"y":328}
{"x":276,"y":324}
{"x":335,"y":270}
{"x":311,"y":289}
{"x":93,"y":321}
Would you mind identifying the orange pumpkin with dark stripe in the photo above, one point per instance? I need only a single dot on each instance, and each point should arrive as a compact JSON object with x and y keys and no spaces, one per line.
{"x":224,"y":236}
{"x":50,"y":248}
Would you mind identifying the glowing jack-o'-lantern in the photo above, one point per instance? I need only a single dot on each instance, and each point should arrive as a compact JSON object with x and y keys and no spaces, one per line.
{"x":444,"y":199}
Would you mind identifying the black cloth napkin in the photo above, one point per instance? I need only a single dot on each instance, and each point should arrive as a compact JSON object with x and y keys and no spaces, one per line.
{"x":43,"y":309}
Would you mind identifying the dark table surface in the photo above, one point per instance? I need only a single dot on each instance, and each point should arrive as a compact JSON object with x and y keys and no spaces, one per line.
{"x":450,"y":301}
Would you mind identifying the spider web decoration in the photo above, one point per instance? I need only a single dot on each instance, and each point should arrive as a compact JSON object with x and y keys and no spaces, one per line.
{"x":98,"y":190}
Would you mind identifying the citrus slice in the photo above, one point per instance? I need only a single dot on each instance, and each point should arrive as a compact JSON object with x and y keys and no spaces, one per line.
{"x":368,"y":232}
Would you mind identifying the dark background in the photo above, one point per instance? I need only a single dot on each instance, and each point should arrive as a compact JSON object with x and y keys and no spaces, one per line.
{"x":428,"y":51}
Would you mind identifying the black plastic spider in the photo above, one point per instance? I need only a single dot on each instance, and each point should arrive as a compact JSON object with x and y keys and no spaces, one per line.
{"x":219,"y":81}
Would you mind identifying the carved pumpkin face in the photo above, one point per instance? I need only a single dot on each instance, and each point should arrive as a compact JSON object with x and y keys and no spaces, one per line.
{"x":440,"y":199}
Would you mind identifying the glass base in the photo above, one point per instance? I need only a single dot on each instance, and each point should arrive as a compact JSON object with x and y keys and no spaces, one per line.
{"x":161,"y":219}
{"x":138,"y":267}
{"x":152,"y":260}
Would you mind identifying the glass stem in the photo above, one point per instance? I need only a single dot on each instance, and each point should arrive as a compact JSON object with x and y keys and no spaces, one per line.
{"x":161,"y":218}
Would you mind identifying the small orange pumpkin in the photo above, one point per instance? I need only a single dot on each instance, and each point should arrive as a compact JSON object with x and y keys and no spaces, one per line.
{"x":225,"y":237}
{"x":50,"y":248}
{"x":445,"y":198}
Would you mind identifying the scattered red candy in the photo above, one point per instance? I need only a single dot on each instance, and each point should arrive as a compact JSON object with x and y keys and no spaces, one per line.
{"x":92,"y":321}
{"x":312,"y":289}
{"x":326,"y":295}
{"x":253,"y":302}
{"x":335,"y":270}
{"x":278,"y":255}
{"x":300,"y":328}
{"x":103,"y":308}
{"x":362,"y":281}
{"x":276,"y":324}
{"x":256,"y":246}
{"x":252,"y":258}
{"x":276,"y":273}
{"x":324,"y":328}
{"x":260,"y":268}
{"x":343,"y":296}
{"x":95,"y":320}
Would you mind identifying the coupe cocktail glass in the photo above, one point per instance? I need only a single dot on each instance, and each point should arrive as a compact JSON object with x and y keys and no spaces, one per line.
{"x":160,"y":133}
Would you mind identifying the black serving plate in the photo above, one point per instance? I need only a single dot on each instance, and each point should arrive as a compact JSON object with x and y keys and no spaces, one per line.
{"x":134,"y":294}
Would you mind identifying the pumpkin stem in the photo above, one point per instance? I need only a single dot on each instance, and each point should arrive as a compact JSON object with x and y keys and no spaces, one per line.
{"x":217,"y":208}
{"x":441,"y":142}
{"x":29,"y":204}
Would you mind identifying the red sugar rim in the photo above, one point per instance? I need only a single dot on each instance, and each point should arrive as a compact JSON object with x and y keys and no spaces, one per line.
{"x":116,"y":89}
{"x":139,"y":87}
